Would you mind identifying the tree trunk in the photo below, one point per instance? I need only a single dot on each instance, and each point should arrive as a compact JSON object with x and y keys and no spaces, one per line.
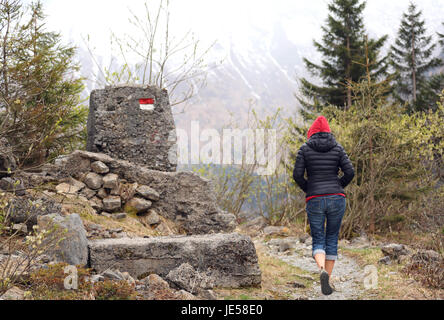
{"x":413,"y":67}
{"x":372,"y":186}
{"x":349,"y":93}
{"x":4,"y":62}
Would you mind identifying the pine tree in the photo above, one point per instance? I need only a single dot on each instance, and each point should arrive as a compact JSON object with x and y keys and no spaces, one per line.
{"x":40,"y":108}
{"x":343,"y":53}
{"x":412,"y":60}
{"x":441,"y":37}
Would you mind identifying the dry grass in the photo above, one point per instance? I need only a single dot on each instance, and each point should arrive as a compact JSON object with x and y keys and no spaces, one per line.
{"x":429,"y":272}
{"x":393,"y":283}
{"x":277,"y":277}
{"x":48,"y":284}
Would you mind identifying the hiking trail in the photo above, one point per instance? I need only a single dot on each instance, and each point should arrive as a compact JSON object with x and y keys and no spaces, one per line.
{"x":347,"y":275}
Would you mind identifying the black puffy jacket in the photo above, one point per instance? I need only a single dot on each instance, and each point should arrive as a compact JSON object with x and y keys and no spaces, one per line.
{"x":322,"y":156}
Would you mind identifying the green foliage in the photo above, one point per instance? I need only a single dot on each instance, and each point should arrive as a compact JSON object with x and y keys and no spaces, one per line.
{"x":394,"y":219}
{"x":393,"y":155}
{"x":40,"y":107}
{"x":441,"y":37}
{"x":343,"y":51}
{"x":3,"y":213}
{"x":396,"y":156}
{"x":412,"y":60}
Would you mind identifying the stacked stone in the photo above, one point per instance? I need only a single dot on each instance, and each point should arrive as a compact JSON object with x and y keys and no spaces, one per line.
{"x":133,"y":129}
{"x":111,"y":196}
{"x":183,"y":198}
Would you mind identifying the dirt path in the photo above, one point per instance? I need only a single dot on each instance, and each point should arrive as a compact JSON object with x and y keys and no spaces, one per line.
{"x":347,"y":276}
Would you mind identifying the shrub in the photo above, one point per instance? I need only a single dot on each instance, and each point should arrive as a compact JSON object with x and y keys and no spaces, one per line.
{"x":48,"y":284}
{"x":41,"y":114}
{"x":396,"y":157}
{"x":240,"y":188}
{"x":430,"y":272}
{"x":22,"y":254}
{"x":394,"y":154}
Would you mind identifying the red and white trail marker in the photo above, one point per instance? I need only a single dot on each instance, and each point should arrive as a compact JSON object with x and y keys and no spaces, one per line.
{"x":146,"y":104}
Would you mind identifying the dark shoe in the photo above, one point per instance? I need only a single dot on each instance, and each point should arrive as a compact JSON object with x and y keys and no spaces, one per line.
{"x":325,"y":286}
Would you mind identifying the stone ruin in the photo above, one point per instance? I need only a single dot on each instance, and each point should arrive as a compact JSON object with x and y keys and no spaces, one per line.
{"x":115,"y":186}
{"x":133,"y":123}
{"x":130,"y":172}
{"x":229,"y":260}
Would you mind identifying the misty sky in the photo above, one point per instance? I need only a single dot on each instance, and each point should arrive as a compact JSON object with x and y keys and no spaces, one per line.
{"x":228,"y":20}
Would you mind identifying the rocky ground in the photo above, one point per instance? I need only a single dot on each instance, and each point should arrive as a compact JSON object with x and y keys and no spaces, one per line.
{"x":290,"y":273}
{"x":147,"y":218}
{"x":348,"y":275}
{"x":117,"y":232}
{"x":134,"y":232}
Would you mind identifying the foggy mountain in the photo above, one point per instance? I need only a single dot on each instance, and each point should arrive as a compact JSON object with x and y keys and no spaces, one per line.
{"x":261,"y":74}
{"x":261,"y":64}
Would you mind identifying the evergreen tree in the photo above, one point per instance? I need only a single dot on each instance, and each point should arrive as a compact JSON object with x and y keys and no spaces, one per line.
{"x":441,"y":37}
{"x":412,"y":60}
{"x":40,"y":107}
{"x":343,"y":50}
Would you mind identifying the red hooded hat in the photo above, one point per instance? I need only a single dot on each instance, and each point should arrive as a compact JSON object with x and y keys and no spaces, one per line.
{"x":320,"y":125}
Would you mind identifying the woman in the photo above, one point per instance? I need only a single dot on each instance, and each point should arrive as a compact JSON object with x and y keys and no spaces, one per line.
{"x":322,"y":157}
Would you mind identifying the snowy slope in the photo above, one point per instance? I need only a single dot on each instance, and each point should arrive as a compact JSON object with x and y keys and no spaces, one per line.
{"x":262,"y":45}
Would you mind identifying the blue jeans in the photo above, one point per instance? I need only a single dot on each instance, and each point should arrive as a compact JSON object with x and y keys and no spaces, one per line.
{"x":332,"y":209}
